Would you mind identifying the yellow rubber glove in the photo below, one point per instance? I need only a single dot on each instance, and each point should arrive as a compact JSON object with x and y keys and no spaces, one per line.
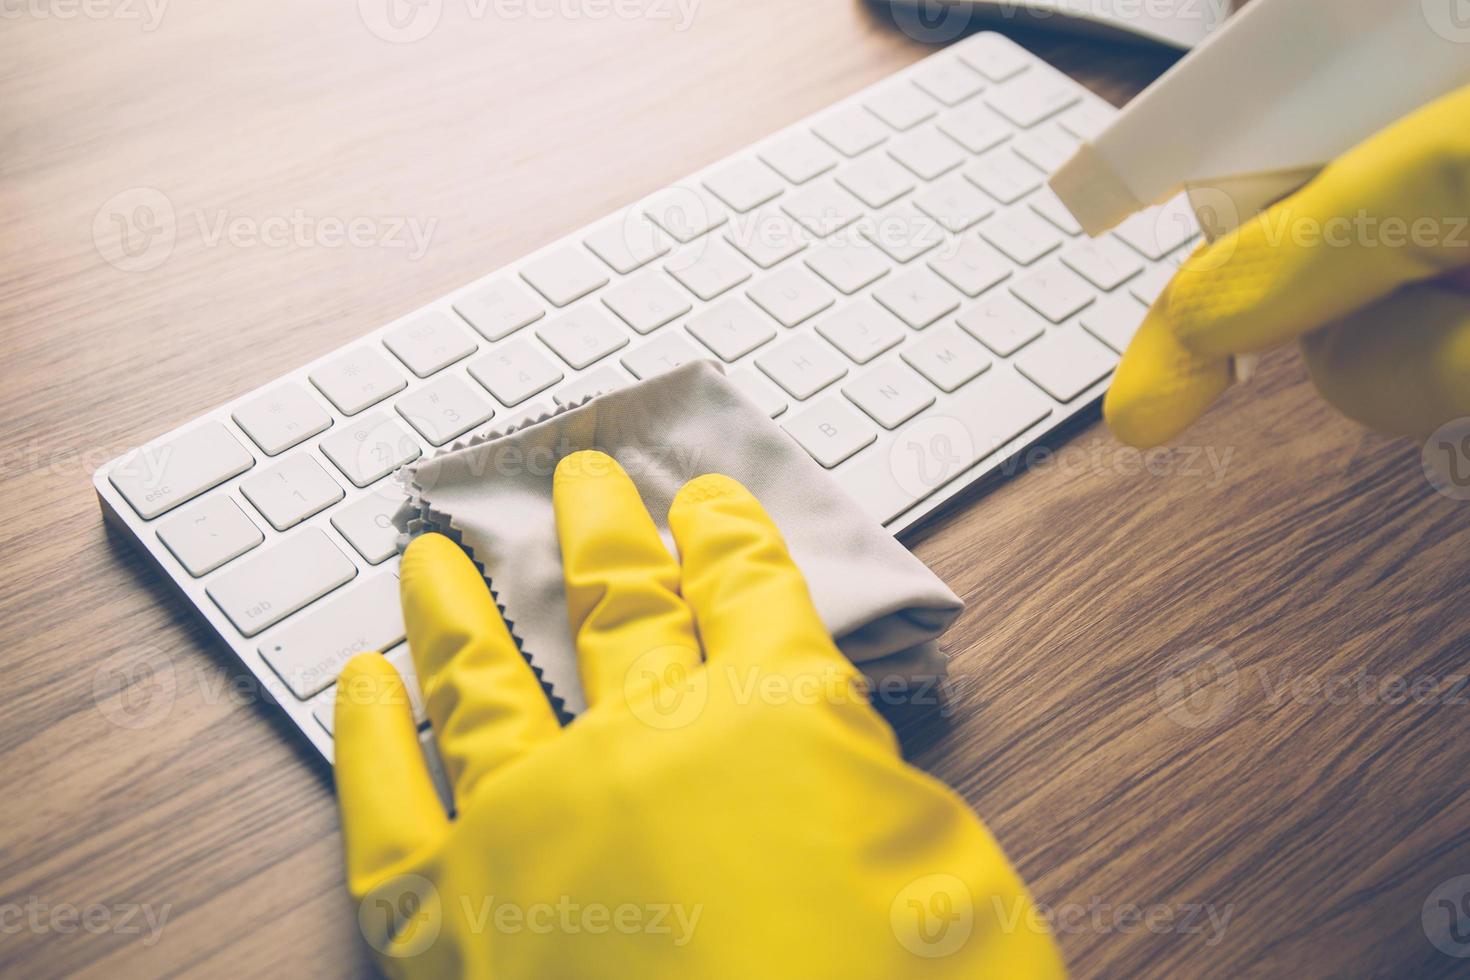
{"x":1365,"y":266}
{"x":730,"y":805}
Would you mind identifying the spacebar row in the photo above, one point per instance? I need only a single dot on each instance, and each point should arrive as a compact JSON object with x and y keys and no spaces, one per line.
{"x":941,"y":444}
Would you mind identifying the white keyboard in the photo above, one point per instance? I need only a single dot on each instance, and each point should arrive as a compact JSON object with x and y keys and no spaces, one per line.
{"x":889,"y":279}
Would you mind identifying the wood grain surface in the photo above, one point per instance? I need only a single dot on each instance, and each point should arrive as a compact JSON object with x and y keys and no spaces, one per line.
{"x":1279,"y":548}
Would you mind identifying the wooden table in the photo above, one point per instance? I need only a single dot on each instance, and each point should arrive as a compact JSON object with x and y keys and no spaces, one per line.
{"x":1315,"y":552}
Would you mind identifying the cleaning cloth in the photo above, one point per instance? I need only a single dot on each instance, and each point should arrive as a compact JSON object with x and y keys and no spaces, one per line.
{"x":492,"y":493}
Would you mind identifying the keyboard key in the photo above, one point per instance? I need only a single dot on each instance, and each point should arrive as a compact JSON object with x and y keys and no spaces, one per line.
{"x":876,"y":180}
{"x":917,"y":297}
{"x":976,"y":127}
{"x":890,"y":393}
{"x":269,"y":586}
{"x":367,"y":524}
{"x":799,"y":156}
{"x":685,"y":211}
{"x":515,"y":371}
{"x":1022,"y":235}
{"x":564,"y":274}
{"x":1151,"y":285}
{"x":802,"y":366}
{"x":326,"y":708}
{"x":823,"y":208}
{"x":767,"y":397}
{"x":1045,"y":203}
{"x":948,"y":80}
{"x":932,"y":450}
{"x":926,"y":152}
{"x":1032,"y":99}
{"x":282,"y":417}
{"x":1002,"y":323}
{"x":668,"y":351}
{"x":309,"y":653}
{"x":647,"y":301}
{"x":713,"y":267}
{"x":971,"y":266}
{"x":1046,"y":147}
{"x":429,"y":343}
{"x":954,"y":202}
{"x":208,"y":534}
{"x":1087,"y":119}
{"x":1054,"y":291}
{"x":1156,"y":232}
{"x":498,"y":309}
{"x":994,"y":57}
{"x":445,"y":409}
{"x":903,"y":233}
{"x":1115,"y":320}
{"x":357,"y":379}
{"x":1003,"y":175}
{"x":850,"y":131}
{"x":848,"y":265}
{"x":732,"y":329}
{"x":791,"y":295}
{"x":584,"y":336}
{"x":1103,"y":262}
{"x":831,"y":430}
{"x":862,"y":330}
{"x":370,"y":448}
{"x":291,"y":491}
{"x":766,"y":237}
{"x":160,"y":476}
{"x":947,"y":357}
{"x":626,"y":242}
{"x":744,"y":185}
{"x":1066,"y":363}
{"x":900,"y":105}
{"x":598,"y":382}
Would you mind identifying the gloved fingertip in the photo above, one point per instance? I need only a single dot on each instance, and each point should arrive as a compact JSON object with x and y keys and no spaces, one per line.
{"x":710,"y":486}
{"x":586,"y":464}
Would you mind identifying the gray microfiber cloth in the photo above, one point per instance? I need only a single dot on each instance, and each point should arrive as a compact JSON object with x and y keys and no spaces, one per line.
{"x":492,"y":493}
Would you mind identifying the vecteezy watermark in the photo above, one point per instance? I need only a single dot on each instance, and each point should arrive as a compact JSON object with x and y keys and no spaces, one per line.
{"x":1198,"y":688}
{"x":404,"y":915}
{"x":1202,"y":686}
{"x":1446,"y":917}
{"x":1446,"y":458}
{"x":407,"y":21}
{"x":136,"y":230}
{"x":667,"y":688}
{"x":135,"y":687}
{"x":36,"y":915}
{"x":933,"y":916}
{"x":1450,"y":19}
{"x":146,"y":13}
{"x":1208,"y":464}
{"x":1105,"y":917}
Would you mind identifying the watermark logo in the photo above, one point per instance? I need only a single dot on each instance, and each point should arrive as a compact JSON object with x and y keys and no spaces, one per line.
{"x":1450,"y":19}
{"x":400,"y":21}
{"x":933,"y":916}
{"x":135,"y":230}
{"x":401,"y":916}
{"x":1446,"y":459}
{"x":662,"y":691}
{"x":930,"y":453}
{"x":135,"y":687}
{"x":1198,"y":688}
{"x":932,"y":21}
{"x":1446,"y":917}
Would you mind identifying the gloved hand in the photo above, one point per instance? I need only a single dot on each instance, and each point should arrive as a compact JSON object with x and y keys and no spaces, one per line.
{"x":1368,"y":266}
{"x":730,"y":805}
